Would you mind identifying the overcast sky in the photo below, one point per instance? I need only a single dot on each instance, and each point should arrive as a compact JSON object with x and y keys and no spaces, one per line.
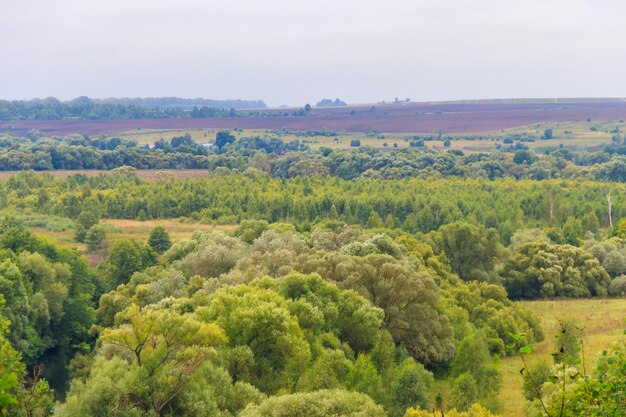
{"x":293,"y":52}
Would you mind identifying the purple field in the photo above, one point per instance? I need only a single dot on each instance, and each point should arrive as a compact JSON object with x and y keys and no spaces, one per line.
{"x":451,"y":118}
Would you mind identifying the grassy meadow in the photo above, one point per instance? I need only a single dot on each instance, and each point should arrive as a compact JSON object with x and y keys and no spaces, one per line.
{"x":603,"y":322}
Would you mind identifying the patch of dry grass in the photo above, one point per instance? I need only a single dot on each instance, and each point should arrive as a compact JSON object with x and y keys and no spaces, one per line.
{"x":135,"y":229}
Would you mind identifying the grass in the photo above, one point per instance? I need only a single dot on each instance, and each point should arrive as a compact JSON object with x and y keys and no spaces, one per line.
{"x":602,"y":319}
{"x":135,"y":229}
{"x":149,"y":136}
{"x":127,"y":229}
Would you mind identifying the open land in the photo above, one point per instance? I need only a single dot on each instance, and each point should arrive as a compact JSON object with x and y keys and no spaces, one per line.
{"x":428,"y":118}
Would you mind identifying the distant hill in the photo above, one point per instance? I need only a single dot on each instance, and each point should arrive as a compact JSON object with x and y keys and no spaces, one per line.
{"x":185,"y":103}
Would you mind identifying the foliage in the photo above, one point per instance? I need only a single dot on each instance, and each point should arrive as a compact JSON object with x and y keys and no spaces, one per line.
{"x":118,"y":108}
{"x":471,"y":250}
{"x":317,"y":404}
{"x":488,"y":309}
{"x":473,"y":411}
{"x":95,"y":238}
{"x":155,"y":353}
{"x":159,"y":240}
{"x":540,"y":269}
{"x":125,"y":258}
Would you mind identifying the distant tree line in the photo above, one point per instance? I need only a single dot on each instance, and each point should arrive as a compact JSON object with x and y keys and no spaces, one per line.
{"x":93,"y":109}
{"x":186,"y":103}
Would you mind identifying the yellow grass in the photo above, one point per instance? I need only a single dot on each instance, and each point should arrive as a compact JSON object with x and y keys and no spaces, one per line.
{"x":603,"y":320}
{"x":149,"y":136}
{"x":135,"y":229}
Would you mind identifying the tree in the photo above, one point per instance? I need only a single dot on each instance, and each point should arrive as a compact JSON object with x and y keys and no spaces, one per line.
{"x":464,"y":392}
{"x":95,"y":238}
{"x":355,"y":143}
{"x":159,"y":239}
{"x":410,"y":388}
{"x":184,"y":140}
{"x":260,"y":320}
{"x":488,"y":308}
{"x":523,"y":157}
{"x":223,"y":138}
{"x":407,"y":297}
{"x":323,"y":403}
{"x":447,"y":143}
{"x":249,"y":230}
{"x":540,"y":269}
{"x":472,"y":250}
{"x":363,"y":377}
{"x":86,"y":220}
{"x":472,"y":359}
{"x":125,"y":258}
{"x":154,"y":355}
{"x":547,"y":134}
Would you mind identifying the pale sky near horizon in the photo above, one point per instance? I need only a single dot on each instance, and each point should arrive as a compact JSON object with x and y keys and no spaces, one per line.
{"x":293,"y":52}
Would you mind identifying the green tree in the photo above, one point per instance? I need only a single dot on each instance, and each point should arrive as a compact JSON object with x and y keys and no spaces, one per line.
{"x":85,"y":221}
{"x":407,"y":297}
{"x":154,"y":356}
{"x":472,"y":250}
{"x":159,"y":239}
{"x":249,"y":230}
{"x":95,"y":238}
{"x":363,"y":377}
{"x":260,"y":319}
{"x":223,"y":138}
{"x":464,"y":392}
{"x":540,"y":269}
{"x":321,"y":403}
{"x":547,"y":134}
{"x":125,"y":258}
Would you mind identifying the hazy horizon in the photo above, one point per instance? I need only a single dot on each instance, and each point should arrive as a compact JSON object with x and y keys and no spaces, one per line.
{"x":291,"y":53}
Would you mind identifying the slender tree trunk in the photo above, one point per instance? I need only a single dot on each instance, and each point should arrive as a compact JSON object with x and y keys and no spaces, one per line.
{"x":610,"y":204}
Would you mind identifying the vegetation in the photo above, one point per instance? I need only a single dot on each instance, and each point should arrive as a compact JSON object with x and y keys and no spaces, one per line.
{"x":351,"y":283}
{"x":149,"y":108}
{"x":285,"y":154}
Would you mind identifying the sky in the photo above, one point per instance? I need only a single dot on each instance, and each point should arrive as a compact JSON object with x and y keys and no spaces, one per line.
{"x":290,"y":52}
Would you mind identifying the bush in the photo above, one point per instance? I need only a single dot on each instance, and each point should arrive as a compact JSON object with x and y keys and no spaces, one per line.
{"x":323,"y":403}
{"x":618,"y":286}
{"x":95,"y":238}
